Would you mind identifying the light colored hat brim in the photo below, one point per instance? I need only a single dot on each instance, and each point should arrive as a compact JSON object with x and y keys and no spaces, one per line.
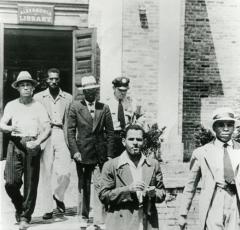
{"x":15,"y":83}
{"x":89,"y":87}
{"x":223,"y":119}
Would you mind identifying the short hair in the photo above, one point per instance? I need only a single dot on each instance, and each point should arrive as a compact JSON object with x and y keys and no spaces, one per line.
{"x":53,"y":70}
{"x":134,"y":127}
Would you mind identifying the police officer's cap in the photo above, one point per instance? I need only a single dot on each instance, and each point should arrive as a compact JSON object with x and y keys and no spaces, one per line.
{"x":121,"y":82}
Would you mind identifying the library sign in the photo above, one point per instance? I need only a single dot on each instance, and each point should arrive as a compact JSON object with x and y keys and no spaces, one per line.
{"x":35,"y":14}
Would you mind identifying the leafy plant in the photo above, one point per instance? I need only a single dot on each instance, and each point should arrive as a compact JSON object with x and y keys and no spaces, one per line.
{"x":202,"y":135}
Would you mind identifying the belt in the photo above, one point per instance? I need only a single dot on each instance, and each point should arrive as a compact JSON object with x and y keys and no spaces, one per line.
{"x":57,"y":126}
{"x":230,"y":188}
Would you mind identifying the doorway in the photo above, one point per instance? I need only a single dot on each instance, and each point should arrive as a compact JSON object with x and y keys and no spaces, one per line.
{"x":35,"y":50}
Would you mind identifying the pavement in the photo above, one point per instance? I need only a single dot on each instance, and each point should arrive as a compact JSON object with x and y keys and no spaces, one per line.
{"x":68,"y":221}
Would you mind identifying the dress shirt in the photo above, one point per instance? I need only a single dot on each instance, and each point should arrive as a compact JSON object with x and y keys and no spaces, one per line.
{"x":55,"y":104}
{"x":136,"y":172}
{"x":219,"y":159}
{"x":91,"y":107}
{"x":113,"y":105}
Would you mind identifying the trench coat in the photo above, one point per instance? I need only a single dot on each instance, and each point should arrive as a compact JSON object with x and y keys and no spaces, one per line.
{"x":123,"y":206}
{"x":203,"y":166}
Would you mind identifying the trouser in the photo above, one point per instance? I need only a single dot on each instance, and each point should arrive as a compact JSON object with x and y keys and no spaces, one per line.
{"x":84,"y":173}
{"x":99,"y":213}
{"x":224,"y":211}
{"x":118,"y":145}
{"x":55,"y":169}
{"x":22,"y":161}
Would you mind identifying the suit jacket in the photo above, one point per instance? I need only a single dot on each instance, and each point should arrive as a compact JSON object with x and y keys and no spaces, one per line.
{"x":123,"y":206}
{"x":65,"y":100}
{"x":203,"y":166}
{"x":93,"y":138}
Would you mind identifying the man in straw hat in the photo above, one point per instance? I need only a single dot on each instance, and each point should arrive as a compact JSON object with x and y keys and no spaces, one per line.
{"x":90,"y":138}
{"x":56,"y":154}
{"x":217,"y":165}
{"x":29,"y":125}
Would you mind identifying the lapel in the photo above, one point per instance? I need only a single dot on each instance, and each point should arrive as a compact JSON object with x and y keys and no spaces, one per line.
{"x":124,"y":174}
{"x":147,"y":172}
{"x":98,"y":114}
{"x":210,"y":157}
{"x":84,"y":112}
{"x":62,"y":104}
{"x":236,"y":147}
{"x":46,"y":101}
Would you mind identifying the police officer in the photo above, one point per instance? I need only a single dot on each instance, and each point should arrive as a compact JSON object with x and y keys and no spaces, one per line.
{"x":121,"y":107}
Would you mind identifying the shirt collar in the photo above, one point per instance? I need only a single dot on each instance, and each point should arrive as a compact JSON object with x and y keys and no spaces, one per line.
{"x":124,"y":159}
{"x":220,"y":144}
{"x":47,"y":93}
{"x":88,"y":103}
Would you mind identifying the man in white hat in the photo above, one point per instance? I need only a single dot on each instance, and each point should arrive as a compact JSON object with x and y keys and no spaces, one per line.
{"x":217,"y":165}
{"x":29,"y":125}
{"x":56,"y":154}
{"x":90,"y":138}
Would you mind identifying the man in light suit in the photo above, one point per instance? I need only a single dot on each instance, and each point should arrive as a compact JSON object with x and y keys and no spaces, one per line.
{"x":217,"y":165}
{"x":90,"y":138}
{"x":131,"y":185}
{"x":56,"y":159}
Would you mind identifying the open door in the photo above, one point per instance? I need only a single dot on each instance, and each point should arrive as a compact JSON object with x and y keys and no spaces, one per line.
{"x":84,"y":57}
{"x":1,"y":84}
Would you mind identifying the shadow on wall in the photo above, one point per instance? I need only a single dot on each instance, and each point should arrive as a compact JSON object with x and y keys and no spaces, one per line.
{"x":201,"y":72}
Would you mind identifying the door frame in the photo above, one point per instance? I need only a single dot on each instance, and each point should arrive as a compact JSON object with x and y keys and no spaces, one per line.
{"x":4,"y":26}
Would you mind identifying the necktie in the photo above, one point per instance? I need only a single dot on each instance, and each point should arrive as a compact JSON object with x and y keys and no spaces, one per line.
{"x":91,"y":109}
{"x":121,"y":117}
{"x":228,"y":169}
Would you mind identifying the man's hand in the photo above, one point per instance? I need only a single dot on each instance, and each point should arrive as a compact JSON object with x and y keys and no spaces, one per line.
{"x":32,"y":144}
{"x":182,"y":221}
{"x":151,"y":191}
{"x":137,"y":186}
{"x":77,"y":157}
{"x":15,"y":129}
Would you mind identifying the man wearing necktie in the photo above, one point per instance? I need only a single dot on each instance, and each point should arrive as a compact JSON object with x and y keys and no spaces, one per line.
{"x":90,"y":138}
{"x":121,"y":110}
{"x":217,"y":165}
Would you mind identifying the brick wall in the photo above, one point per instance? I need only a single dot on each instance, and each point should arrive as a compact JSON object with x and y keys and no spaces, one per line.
{"x":211,"y":62}
{"x":140,"y":53}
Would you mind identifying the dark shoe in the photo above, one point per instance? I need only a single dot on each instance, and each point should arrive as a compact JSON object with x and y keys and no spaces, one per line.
{"x":60,"y":205}
{"x":48,"y":215}
{"x":23,"y":225}
{"x":18,"y":216}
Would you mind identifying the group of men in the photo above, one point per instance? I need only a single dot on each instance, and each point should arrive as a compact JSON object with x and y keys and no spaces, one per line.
{"x":49,"y":129}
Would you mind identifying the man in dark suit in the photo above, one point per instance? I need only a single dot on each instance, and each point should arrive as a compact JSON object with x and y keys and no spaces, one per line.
{"x":90,"y":137}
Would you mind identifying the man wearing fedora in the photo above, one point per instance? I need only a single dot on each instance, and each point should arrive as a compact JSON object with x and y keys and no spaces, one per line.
{"x":90,"y":138}
{"x":56,"y":160}
{"x":29,"y":125}
{"x":217,"y":165}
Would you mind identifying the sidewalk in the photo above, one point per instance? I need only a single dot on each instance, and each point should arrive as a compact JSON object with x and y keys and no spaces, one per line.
{"x":67,"y":222}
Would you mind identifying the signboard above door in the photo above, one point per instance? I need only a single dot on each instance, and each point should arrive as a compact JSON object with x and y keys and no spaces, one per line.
{"x":35,"y":14}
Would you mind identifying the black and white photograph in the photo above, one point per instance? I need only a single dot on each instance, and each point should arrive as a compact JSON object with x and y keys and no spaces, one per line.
{"x":119,"y":114}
